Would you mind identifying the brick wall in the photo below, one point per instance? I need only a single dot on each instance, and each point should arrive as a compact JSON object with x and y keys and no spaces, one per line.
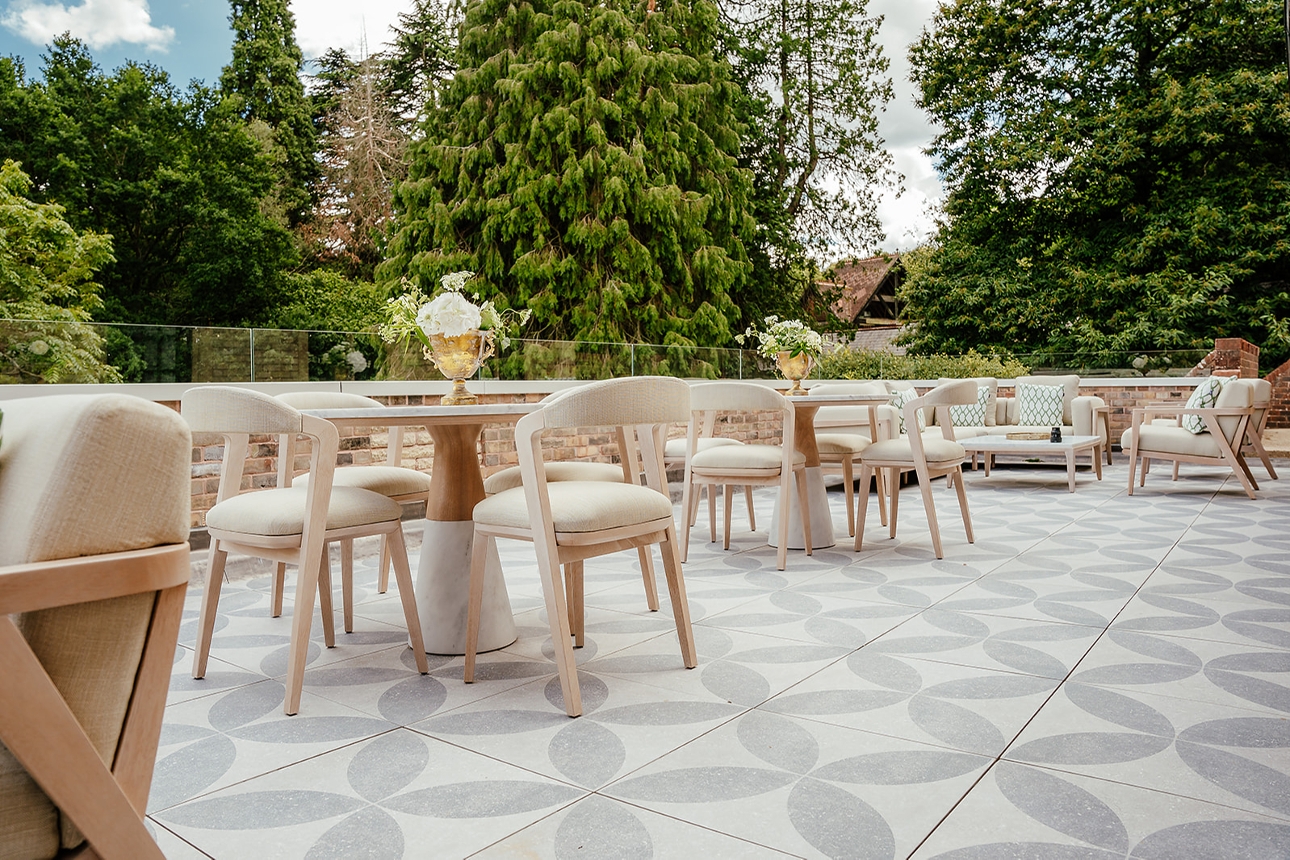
{"x":1279,"y":415}
{"x":1231,"y":356}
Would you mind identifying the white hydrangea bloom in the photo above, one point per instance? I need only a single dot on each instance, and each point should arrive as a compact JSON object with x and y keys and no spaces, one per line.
{"x":450,"y":314}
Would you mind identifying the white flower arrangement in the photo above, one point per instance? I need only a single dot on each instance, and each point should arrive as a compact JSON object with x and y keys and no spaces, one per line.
{"x":791,"y":336}
{"x":450,"y":314}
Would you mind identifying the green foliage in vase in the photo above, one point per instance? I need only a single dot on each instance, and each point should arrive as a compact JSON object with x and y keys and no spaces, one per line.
{"x":1118,"y":177}
{"x":583,"y":163}
{"x":262,"y":81}
{"x":47,"y":290}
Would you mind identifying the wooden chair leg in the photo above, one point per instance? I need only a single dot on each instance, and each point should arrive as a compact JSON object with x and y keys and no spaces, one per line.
{"x":347,"y":581}
{"x":848,"y":492}
{"x":712,"y":512}
{"x":383,"y":570}
{"x":1133,"y":462}
{"x":880,"y":488}
{"x":475,"y":601}
{"x":728,"y":498}
{"x":865,"y":471}
{"x":963,"y":506}
{"x":1257,"y":444}
{"x":689,"y":505}
{"x":647,"y":574}
{"x":397,"y":551}
{"x":302,"y":616}
{"x":216,"y":560}
{"x":1176,"y":465}
{"x":573,"y":599}
{"x":752,"y":515}
{"x":561,"y":637}
{"x":929,"y":504}
{"x":893,"y":501}
{"x":680,"y":605}
{"x":279,"y":582}
{"x":324,"y":600}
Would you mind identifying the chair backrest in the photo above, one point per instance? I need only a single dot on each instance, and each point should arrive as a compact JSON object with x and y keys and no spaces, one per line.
{"x":737,"y":397}
{"x":1236,"y":394}
{"x":1261,"y":400}
{"x":937,"y":402}
{"x":333,"y":400}
{"x":619,"y":403}
{"x":83,"y":476}
{"x":854,"y":418}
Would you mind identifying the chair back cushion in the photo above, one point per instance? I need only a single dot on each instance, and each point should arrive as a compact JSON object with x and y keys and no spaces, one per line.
{"x":222,"y":409}
{"x":328,"y":400}
{"x":1236,"y":394}
{"x":851,"y":417}
{"x":620,"y":403}
{"x":991,"y":407}
{"x":69,"y":487}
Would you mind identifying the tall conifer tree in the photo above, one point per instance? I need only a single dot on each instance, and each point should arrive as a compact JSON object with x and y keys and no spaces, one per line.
{"x":583,"y":161}
{"x":264,"y":80}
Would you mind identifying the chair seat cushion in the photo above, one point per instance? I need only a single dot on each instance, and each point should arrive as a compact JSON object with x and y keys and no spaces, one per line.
{"x":675,"y":448}
{"x":273,"y":513}
{"x":509,"y":478}
{"x":840,"y":444}
{"x":386,"y":480}
{"x":759,"y":457}
{"x":936,"y":449}
{"x":1170,"y":439}
{"x":579,"y":506}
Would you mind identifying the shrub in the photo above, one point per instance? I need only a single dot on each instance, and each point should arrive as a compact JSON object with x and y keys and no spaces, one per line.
{"x":877,"y":364}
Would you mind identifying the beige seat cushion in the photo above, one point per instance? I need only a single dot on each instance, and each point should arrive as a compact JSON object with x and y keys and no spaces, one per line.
{"x":1170,"y":439}
{"x":935,"y":449}
{"x":579,"y":506}
{"x":840,"y":444}
{"x":675,"y":448}
{"x":275,"y":513}
{"x":751,"y":457}
{"x":509,"y":478}
{"x":386,"y":480}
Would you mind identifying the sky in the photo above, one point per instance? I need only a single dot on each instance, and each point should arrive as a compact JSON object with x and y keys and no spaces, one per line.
{"x":191,"y":39}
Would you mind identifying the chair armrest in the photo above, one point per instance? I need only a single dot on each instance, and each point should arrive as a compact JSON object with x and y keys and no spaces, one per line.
{"x":1084,"y":414}
{"x":67,"y":581}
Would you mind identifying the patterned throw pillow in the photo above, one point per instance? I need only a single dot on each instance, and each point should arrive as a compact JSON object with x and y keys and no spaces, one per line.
{"x":972,"y":414}
{"x":899,"y":398}
{"x":1039,"y":405}
{"x":1205,"y":396}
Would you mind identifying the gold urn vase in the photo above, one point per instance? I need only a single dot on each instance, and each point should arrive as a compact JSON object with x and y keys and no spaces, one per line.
{"x":458,"y":358}
{"x":795,"y":368}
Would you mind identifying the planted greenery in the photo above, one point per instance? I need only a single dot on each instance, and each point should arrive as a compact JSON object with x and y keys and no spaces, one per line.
{"x":876,"y":364}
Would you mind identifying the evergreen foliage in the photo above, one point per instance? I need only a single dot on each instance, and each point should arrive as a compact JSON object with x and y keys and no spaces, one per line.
{"x":583,"y":162}
{"x":1118,"y":176}
{"x":419,"y":60}
{"x":47,"y":291}
{"x":263,"y":83}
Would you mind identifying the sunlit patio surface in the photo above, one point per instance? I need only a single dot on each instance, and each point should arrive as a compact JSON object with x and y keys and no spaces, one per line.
{"x":1098,"y":676}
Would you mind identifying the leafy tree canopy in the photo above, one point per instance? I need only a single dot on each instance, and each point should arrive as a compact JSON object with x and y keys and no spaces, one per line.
{"x":1118,"y":175}
{"x":583,"y":161}
{"x":47,"y":291}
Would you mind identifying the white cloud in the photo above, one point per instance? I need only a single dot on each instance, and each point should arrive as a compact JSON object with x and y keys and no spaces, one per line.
{"x":98,"y":23}
{"x":323,"y":24}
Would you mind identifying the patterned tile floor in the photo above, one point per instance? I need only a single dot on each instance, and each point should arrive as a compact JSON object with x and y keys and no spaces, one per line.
{"x":1098,"y":676}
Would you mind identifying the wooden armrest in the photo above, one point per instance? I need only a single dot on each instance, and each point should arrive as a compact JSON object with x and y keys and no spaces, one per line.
{"x":65,"y":581}
{"x":1181,"y":410}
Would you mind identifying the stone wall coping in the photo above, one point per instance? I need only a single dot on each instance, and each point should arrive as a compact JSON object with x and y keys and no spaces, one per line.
{"x":173,"y":391}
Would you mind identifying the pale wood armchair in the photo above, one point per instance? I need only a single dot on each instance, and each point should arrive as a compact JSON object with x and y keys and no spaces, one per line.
{"x":94,"y":565}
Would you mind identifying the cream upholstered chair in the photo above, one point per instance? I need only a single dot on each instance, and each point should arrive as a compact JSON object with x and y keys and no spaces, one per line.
{"x":288,"y":524}
{"x":628,"y":471}
{"x":924,"y":454}
{"x":571,"y":521}
{"x":391,"y":480}
{"x":675,"y":452}
{"x":1261,"y":403}
{"x":94,"y":564}
{"x":842,"y":433}
{"x":755,"y":465}
{"x":1225,"y":423}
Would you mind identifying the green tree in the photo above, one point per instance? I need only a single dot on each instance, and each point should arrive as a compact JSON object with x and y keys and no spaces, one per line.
{"x":583,"y":161}
{"x":263,"y":83}
{"x":177,"y":179}
{"x":47,"y":290}
{"x":1118,"y":177}
{"x":419,"y":61}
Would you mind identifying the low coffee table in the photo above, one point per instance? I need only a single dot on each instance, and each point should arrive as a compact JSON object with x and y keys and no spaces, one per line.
{"x":989,"y":446}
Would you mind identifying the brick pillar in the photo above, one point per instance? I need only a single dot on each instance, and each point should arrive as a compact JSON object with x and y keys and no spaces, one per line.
{"x":1231,"y":356}
{"x":1279,"y":414}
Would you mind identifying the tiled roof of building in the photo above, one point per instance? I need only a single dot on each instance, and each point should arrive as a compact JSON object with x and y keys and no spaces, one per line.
{"x":859,"y":280}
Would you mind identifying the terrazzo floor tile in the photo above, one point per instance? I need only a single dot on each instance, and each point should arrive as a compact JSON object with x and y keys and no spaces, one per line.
{"x":862,"y":581}
{"x":624,"y":725}
{"x":1240,"y":620}
{"x":216,"y":741}
{"x":965,"y":708}
{"x":220,"y":677}
{"x":598,"y":828}
{"x":172,"y":846}
{"x":807,"y":619}
{"x":1045,"y":648}
{"x":397,"y":794}
{"x":804,"y":787}
{"x":1205,"y":752}
{"x":1028,"y":813}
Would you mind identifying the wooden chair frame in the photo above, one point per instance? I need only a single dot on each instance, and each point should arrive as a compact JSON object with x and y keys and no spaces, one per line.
{"x":307,"y":550}
{"x":107,"y":804}
{"x":563,"y":595}
{"x":1229,"y":454}
{"x":706,"y":431}
{"x":939,"y":398}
